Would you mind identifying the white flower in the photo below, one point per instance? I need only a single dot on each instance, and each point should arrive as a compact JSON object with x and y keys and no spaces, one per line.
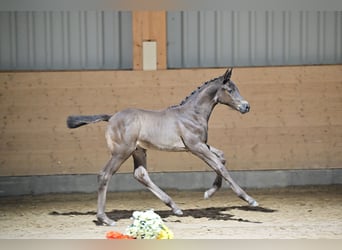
{"x":145,"y":225}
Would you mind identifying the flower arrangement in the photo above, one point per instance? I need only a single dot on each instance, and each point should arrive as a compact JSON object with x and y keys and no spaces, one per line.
{"x":148,"y":225}
{"x":145,"y":225}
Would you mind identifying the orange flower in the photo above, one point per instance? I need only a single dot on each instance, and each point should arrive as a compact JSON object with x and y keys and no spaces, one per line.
{"x":118,"y":236}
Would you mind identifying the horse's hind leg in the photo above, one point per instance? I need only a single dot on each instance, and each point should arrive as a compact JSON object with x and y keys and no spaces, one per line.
{"x":141,"y":174}
{"x":103,"y":181}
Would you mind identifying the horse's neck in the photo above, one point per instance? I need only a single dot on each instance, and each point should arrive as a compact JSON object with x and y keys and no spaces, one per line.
{"x":201,"y":104}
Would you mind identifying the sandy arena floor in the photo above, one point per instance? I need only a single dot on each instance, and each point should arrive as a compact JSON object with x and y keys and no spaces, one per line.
{"x":301,"y":212}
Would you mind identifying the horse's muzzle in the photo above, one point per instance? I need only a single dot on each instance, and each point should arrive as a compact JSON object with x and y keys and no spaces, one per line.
{"x":244,"y":107}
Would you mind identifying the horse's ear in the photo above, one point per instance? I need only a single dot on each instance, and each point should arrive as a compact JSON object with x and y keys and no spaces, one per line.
{"x":228,"y":74}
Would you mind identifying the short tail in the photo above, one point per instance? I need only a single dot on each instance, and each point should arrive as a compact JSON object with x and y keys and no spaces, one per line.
{"x":75,"y":121}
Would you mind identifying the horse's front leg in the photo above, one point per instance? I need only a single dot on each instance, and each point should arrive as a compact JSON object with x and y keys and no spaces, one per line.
{"x":218,"y":180}
{"x":203,"y":151}
{"x":141,"y":174}
{"x":215,"y":187}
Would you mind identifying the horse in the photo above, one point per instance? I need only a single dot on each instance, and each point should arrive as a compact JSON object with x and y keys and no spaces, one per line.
{"x":182,"y":127}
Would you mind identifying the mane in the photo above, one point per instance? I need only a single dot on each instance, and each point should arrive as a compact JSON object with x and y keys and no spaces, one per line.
{"x":195,"y":92}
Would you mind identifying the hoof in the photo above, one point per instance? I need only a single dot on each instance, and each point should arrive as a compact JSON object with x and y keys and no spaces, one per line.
{"x":110,"y":223}
{"x":254,"y":204}
{"x":206,"y":195}
{"x":209,"y":193}
{"x":105,"y":221}
{"x":177,"y":211}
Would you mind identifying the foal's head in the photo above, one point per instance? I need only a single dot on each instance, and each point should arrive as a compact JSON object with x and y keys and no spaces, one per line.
{"x":229,"y":94}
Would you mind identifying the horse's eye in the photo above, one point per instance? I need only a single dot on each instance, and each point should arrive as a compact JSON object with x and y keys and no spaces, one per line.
{"x":230,"y":91}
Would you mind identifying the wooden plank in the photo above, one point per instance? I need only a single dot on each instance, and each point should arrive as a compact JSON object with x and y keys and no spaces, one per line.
{"x":149,"y":26}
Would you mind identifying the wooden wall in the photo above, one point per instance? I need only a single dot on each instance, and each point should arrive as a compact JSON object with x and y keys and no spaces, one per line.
{"x":295,"y":120}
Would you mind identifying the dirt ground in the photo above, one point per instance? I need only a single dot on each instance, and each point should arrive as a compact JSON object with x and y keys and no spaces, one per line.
{"x":301,"y":212}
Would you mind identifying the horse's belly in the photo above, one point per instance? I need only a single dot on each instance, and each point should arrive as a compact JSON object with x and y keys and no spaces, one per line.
{"x":164,"y":144}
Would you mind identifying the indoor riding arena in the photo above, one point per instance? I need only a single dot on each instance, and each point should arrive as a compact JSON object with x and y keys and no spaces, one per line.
{"x":286,"y":152}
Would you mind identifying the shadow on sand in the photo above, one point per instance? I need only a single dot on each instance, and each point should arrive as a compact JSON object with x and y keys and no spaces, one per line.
{"x":212,"y":213}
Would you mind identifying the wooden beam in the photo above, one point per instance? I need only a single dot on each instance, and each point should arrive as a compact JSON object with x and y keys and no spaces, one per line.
{"x":149,"y":26}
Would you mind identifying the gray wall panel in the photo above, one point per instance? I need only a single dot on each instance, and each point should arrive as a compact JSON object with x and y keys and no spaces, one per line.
{"x":37,"y":185}
{"x":253,"y":38}
{"x":58,"y":40}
